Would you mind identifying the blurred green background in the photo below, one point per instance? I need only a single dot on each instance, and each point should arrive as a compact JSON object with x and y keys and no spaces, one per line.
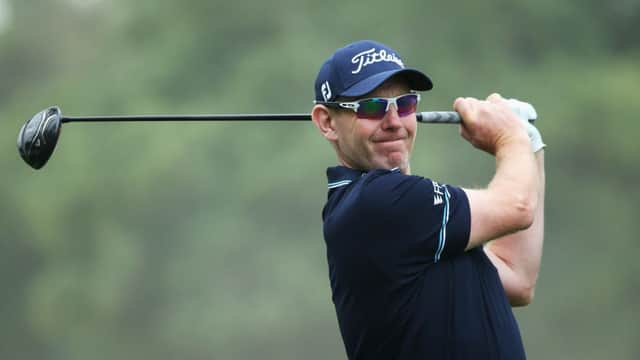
{"x":203,"y":240}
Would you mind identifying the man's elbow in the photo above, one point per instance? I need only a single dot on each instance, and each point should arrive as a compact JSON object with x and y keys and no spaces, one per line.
{"x":524,"y":210}
{"x":523,"y":296}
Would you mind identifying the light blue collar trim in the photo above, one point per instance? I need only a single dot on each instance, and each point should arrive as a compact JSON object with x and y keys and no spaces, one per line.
{"x":344,"y":176}
{"x":339,"y":184}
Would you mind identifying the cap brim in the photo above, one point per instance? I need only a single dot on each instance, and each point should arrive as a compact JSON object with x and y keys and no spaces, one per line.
{"x":417,"y":81}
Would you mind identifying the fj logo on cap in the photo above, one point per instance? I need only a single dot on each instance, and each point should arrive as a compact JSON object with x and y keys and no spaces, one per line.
{"x":326,"y":91}
{"x":370,"y":56}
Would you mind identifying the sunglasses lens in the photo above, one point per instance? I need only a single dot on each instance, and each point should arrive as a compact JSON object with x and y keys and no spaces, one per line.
{"x":376,"y":108}
{"x":372,"y":108}
{"x":407,"y":104}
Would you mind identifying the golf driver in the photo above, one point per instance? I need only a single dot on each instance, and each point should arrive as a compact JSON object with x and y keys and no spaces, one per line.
{"x":38,"y":136}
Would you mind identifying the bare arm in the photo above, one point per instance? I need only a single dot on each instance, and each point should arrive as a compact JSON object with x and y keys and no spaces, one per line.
{"x":517,"y":256}
{"x":508,"y":203}
{"x":510,"y":211}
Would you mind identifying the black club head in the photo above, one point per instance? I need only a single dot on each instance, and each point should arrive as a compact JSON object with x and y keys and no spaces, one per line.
{"x":38,"y":137}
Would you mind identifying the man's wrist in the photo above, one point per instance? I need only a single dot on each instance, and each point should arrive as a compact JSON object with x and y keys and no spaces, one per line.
{"x":513,"y":144}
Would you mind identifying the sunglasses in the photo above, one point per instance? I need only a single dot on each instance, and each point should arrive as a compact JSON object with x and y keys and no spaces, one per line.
{"x":376,"y":108}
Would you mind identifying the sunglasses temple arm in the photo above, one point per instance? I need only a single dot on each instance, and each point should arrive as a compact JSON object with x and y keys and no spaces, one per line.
{"x":442,"y":117}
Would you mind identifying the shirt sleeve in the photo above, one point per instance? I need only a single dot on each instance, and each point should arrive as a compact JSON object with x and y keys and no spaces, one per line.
{"x":416,"y":218}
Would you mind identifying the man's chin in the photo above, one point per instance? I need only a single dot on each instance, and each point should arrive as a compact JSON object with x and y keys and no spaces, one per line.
{"x":392,"y":162}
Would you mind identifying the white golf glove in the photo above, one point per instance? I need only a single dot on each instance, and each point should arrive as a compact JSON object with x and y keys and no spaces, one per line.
{"x":525,"y":111}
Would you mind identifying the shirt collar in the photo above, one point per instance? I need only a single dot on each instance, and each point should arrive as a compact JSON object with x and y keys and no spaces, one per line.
{"x":338,"y":176}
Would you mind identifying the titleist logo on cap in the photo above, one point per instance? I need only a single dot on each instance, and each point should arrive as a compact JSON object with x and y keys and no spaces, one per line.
{"x":368,"y":57}
{"x":360,"y":67}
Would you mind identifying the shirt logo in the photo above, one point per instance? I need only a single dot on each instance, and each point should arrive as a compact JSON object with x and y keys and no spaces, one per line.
{"x":326,"y":91}
{"x":438,"y":193}
{"x":370,"y":56}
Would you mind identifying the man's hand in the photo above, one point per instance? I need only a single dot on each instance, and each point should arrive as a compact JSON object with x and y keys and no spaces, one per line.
{"x":490,"y":124}
{"x":525,"y":111}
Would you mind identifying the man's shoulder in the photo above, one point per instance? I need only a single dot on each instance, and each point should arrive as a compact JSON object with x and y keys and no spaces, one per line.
{"x":379,"y":184}
{"x":380,"y":189}
{"x":388,"y":180}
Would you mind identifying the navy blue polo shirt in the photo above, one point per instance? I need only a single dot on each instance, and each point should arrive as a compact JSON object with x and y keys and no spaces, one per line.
{"x":402,"y":284}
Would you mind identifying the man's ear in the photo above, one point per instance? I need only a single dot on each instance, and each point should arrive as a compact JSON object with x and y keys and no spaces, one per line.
{"x":323,"y":120}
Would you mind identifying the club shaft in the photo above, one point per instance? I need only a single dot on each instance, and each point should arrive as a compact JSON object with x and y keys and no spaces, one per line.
{"x":443,"y":117}
{"x":205,"y":117}
{"x":430,"y":117}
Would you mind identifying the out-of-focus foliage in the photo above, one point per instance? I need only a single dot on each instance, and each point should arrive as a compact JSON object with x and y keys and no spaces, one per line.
{"x":203,"y":241}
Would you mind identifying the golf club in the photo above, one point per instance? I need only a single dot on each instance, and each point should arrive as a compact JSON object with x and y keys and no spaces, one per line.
{"x":38,"y":136}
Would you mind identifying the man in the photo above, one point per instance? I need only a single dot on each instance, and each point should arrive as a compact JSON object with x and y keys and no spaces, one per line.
{"x":420,"y":269}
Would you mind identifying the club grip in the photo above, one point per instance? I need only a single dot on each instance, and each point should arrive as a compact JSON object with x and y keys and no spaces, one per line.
{"x":443,"y":117}
{"x":438,"y":117}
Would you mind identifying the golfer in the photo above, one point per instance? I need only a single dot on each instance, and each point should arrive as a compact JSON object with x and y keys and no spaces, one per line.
{"x":420,"y":269}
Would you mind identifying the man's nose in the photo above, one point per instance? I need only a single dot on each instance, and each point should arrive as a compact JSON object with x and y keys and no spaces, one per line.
{"x":391,"y":118}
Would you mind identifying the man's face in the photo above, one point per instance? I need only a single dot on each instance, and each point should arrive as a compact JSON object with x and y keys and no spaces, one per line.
{"x":367,"y":144}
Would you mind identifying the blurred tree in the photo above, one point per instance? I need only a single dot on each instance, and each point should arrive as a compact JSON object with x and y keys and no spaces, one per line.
{"x":204,"y":240}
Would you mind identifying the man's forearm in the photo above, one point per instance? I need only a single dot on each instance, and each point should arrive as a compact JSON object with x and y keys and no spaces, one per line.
{"x":508,"y":204}
{"x":516,"y":182}
{"x":517,"y":256}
